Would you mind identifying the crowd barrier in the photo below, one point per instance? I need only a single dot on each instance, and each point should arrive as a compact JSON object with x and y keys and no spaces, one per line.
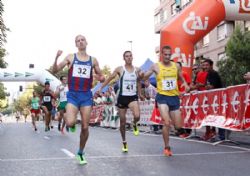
{"x":227,"y":108}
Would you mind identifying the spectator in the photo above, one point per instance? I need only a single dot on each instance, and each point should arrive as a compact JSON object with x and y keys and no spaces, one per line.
{"x":183,"y":133}
{"x":97,"y":99}
{"x":213,"y":81}
{"x":150,"y":90}
{"x":195,"y":71}
{"x":200,"y":81}
{"x":150,"y":93}
{"x":247,"y":77}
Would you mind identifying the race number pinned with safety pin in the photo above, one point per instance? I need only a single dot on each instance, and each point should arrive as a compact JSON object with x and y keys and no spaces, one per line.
{"x":81,"y":71}
{"x":46,"y":98}
{"x":169,"y":84}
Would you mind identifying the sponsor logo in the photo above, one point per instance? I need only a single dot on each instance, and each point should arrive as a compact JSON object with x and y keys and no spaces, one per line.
{"x":194,"y":23}
{"x":244,"y":6}
{"x":181,"y":57}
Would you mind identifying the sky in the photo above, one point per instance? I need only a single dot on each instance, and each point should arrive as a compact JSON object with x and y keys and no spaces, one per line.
{"x":41,"y":27}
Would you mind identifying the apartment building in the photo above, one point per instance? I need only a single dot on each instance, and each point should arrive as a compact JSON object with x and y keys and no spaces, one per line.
{"x":213,"y":44}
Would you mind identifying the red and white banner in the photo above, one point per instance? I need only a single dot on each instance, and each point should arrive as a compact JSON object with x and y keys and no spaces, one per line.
{"x":227,"y":108}
{"x":96,"y":114}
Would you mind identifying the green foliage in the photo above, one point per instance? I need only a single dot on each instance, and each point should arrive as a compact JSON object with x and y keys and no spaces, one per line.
{"x":22,"y":103}
{"x":2,"y":93}
{"x":106,"y":71}
{"x":237,"y":63}
{"x":3,"y":28}
{"x":3,"y":64}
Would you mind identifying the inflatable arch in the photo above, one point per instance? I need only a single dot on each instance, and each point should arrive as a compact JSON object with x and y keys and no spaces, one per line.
{"x":197,"y":20}
{"x":41,"y":76}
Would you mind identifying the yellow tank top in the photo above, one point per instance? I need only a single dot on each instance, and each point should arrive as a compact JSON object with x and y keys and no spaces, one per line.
{"x":167,"y":80}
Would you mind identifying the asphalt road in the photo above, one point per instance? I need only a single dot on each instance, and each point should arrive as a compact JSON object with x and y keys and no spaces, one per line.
{"x":25,"y":152}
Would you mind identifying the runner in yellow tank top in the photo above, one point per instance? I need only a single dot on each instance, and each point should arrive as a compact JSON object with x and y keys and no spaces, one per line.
{"x":167,"y":98}
{"x":167,"y":79}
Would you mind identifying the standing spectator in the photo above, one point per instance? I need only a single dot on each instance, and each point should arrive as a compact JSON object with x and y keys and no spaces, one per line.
{"x":201,"y":78}
{"x":195,"y":71}
{"x":150,"y":93}
{"x":97,"y":99}
{"x":213,"y":82}
{"x":183,"y":133}
{"x":247,"y":77}
{"x":150,"y":90}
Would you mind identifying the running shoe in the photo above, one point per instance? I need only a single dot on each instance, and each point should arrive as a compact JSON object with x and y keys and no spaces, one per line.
{"x":62,"y":131}
{"x":47,"y":129}
{"x":125,"y":147}
{"x":167,"y":151}
{"x":73,"y":129}
{"x":67,"y":129}
{"x":135,"y":129}
{"x":59,"y":126}
{"x":81,"y":159}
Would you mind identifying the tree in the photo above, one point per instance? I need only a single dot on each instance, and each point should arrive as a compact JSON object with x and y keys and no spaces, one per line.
{"x":3,"y":64}
{"x":237,"y":62}
{"x":106,"y":71}
{"x":3,"y":28}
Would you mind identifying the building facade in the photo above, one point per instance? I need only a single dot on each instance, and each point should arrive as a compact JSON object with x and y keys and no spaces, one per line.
{"x":213,"y":44}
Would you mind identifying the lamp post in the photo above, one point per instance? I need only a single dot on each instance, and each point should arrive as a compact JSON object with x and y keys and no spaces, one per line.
{"x":131,"y":45}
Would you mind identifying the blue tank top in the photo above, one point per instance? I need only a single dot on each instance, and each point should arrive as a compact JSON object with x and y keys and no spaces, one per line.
{"x":80,"y":76}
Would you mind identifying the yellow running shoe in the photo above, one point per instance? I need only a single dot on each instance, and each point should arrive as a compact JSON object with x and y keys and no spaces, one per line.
{"x":81,"y":159}
{"x":135,"y":129}
{"x":125,"y":147}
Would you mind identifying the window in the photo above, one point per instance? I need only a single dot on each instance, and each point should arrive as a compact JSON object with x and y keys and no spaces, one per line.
{"x":165,"y":15}
{"x":221,"y":31}
{"x":173,"y":9}
{"x":221,"y":56}
{"x":205,"y":40}
{"x":157,"y":19}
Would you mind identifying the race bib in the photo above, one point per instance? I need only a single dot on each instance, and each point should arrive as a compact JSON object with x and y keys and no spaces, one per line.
{"x":169,"y":84}
{"x":35,"y":105}
{"x":46,"y":98}
{"x":81,"y":71}
{"x":63,"y":96}
{"x":129,"y":87}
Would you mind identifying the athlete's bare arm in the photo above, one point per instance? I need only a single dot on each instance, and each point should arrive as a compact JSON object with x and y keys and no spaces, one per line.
{"x":67,"y":61}
{"x":98,"y":73}
{"x":116,"y":72}
{"x":153,"y":69}
{"x":181,"y":78}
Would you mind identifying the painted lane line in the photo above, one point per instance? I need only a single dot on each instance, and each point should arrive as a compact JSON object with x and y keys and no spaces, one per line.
{"x":127,"y":156}
{"x":34,"y":159}
{"x":46,"y":137}
{"x":68,"y":153}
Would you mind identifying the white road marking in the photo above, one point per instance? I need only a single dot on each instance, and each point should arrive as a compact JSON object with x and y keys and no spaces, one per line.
{"x":46,"y":137}
{"x":123,"y":156}
{"x":68,"y":153}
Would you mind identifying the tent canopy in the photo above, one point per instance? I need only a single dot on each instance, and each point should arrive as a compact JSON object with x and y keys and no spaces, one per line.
{"x":98,"y":87}
{"x":145,"y":67}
